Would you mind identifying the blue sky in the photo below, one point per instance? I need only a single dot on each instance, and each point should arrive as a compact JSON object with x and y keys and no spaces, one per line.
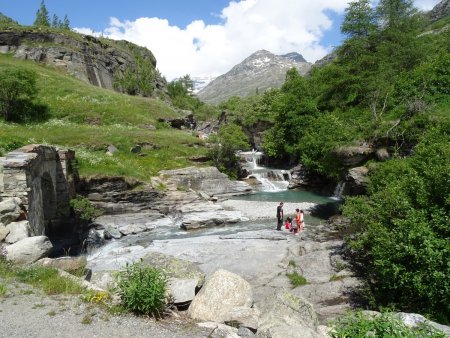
{"x":203,"y":37}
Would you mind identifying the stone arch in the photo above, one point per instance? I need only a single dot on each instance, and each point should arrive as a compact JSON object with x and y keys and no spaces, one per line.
{"x":49,"y":202}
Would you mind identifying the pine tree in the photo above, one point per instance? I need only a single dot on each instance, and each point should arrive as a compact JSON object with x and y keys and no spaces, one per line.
{"x":359,"y":20}
{"x":66,"y":23}
{"x":42,"y":17}
{"x":55,"y":21}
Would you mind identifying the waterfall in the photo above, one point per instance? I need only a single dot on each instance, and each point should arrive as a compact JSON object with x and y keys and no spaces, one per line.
{"x":270,"y":179}
{"x":339,"y":190}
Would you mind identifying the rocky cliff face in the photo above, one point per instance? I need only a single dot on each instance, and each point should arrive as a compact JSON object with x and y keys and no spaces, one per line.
{"x":95,"y":61}
{"x":441,"y":10}
{"x":260,"y":71}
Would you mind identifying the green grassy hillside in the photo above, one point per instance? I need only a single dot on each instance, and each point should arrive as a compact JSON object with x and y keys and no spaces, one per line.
{"x":88,"y":119}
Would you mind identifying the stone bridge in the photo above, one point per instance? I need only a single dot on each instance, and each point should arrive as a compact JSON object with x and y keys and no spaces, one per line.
{"x":43,"y":177}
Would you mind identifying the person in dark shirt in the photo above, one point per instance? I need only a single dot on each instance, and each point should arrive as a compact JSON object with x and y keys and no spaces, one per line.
{"x":279,"y":216}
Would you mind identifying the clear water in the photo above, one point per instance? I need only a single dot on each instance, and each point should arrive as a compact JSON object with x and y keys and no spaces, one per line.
{"x":286,"y":196}
{"x":326,"y":207}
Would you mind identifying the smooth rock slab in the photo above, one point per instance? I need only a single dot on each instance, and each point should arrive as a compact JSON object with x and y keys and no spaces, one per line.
{"x":196,"y":220}
{"x":182,"y":290}
{"x":221,"y":293}
{"x":29,"y":250}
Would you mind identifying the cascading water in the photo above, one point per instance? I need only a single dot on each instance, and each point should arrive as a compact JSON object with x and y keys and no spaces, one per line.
{"x":270,"y":179}
{"x":339,"y":190}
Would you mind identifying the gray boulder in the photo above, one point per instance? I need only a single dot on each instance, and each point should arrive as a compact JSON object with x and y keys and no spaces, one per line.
{"x":29,"y":250}
{"x":221,"y":293}
{"x":184,"y":276}
{"x":357,"y":180}
{"x":4,"y":231}
{"x":287,"y":315}
{"x":10,"y":210}
{"x":18,"y":231}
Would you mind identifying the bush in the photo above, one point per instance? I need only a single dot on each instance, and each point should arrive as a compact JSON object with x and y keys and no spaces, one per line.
{"x":84,"y":209}
{"x":358,"y":325}
{"x":296,"y":279}
{"x":401,"y":246}
{"x":143,"y":289}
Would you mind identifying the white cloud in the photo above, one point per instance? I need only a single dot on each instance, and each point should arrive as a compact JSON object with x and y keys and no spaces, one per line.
{"x":425,"y":5}
{"x":248,"y":25}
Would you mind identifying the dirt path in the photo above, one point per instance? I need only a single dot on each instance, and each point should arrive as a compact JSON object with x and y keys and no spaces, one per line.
{"x":27,"y":312}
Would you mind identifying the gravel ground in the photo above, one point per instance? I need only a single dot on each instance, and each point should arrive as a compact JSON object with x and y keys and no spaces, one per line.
{"x":27,"y":312}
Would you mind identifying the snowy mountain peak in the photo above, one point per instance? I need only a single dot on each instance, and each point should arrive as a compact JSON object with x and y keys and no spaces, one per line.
{"x":258,"y":72}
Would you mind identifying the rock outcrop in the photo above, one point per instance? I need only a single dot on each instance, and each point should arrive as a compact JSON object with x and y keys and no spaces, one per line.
{"x":441,"y":10}
{"x":95,"y":61}
{"x":209,"y":180}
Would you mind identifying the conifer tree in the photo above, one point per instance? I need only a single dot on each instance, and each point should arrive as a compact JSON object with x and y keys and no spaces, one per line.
{"x":66,"y":23}
{"x":55,"y":21}
{"x":42,"y":16}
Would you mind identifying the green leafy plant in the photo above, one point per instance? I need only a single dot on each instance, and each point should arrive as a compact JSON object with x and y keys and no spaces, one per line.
{"x":296,"y":279}
{"x":143,"y":289}
{"x":84,"y":209}
{"x":3,"y":289}
{"x":358,"y":325}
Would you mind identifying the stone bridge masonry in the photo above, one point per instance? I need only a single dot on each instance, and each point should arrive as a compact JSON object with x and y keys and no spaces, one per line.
{"x":43,"y":177}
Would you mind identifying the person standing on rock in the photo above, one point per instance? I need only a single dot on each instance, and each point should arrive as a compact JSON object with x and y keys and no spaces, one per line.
{"x":298,"y":220}
{"x":279,"y":216}
{"x":302,"y":221}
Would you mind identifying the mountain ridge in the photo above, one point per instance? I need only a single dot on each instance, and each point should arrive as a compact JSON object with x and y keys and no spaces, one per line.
{"x":260,"y":71}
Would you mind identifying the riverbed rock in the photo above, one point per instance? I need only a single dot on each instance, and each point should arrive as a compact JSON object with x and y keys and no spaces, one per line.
{"x":68,"y":264}
{"x":18,"y":231}
{"x":221,"y":293}
{"x":196,"y":220}
{"x":286,"y":315}
{"x":4,"y":231}
{"x":185,"y":277}
{"x":382,"y":154}
{"x":208,"y":179}
{"x":414,"y":320}
{"x":104,"y":279}
{"x":357,"y":180}
{"x":29,"y":250}
{"x":245,"y":317}
{"x":10,"y":210}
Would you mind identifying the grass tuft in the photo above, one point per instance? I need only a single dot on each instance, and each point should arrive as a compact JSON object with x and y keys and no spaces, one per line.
{"x":296,"y":279}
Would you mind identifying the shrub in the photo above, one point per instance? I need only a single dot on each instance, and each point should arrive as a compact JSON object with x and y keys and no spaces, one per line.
{"x":143,"y":289}
{"x":358,"y":325}
{"x":296,"y":279}
{"x":84,"y":209}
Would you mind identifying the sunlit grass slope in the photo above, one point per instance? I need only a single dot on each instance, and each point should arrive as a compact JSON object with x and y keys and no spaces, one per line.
{"x":88,"y":119}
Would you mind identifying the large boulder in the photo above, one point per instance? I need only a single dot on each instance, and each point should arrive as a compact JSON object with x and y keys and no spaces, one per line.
{"x":357,"y":180}
{"x":18,"y":231}
{"x":353,"y":155}
{"x":223,"y":292}
{"x":209,"y":179}
{"x":10,"y":210}
{"x":184,"y":276}
{"x":287,"y":315}
{"x":29,"y":250}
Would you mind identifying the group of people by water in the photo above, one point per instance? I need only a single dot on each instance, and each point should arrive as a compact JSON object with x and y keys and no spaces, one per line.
{"x":290,"y":225}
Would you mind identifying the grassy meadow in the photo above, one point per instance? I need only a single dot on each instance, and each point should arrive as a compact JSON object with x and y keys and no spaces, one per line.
{"x":88,"y":119}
